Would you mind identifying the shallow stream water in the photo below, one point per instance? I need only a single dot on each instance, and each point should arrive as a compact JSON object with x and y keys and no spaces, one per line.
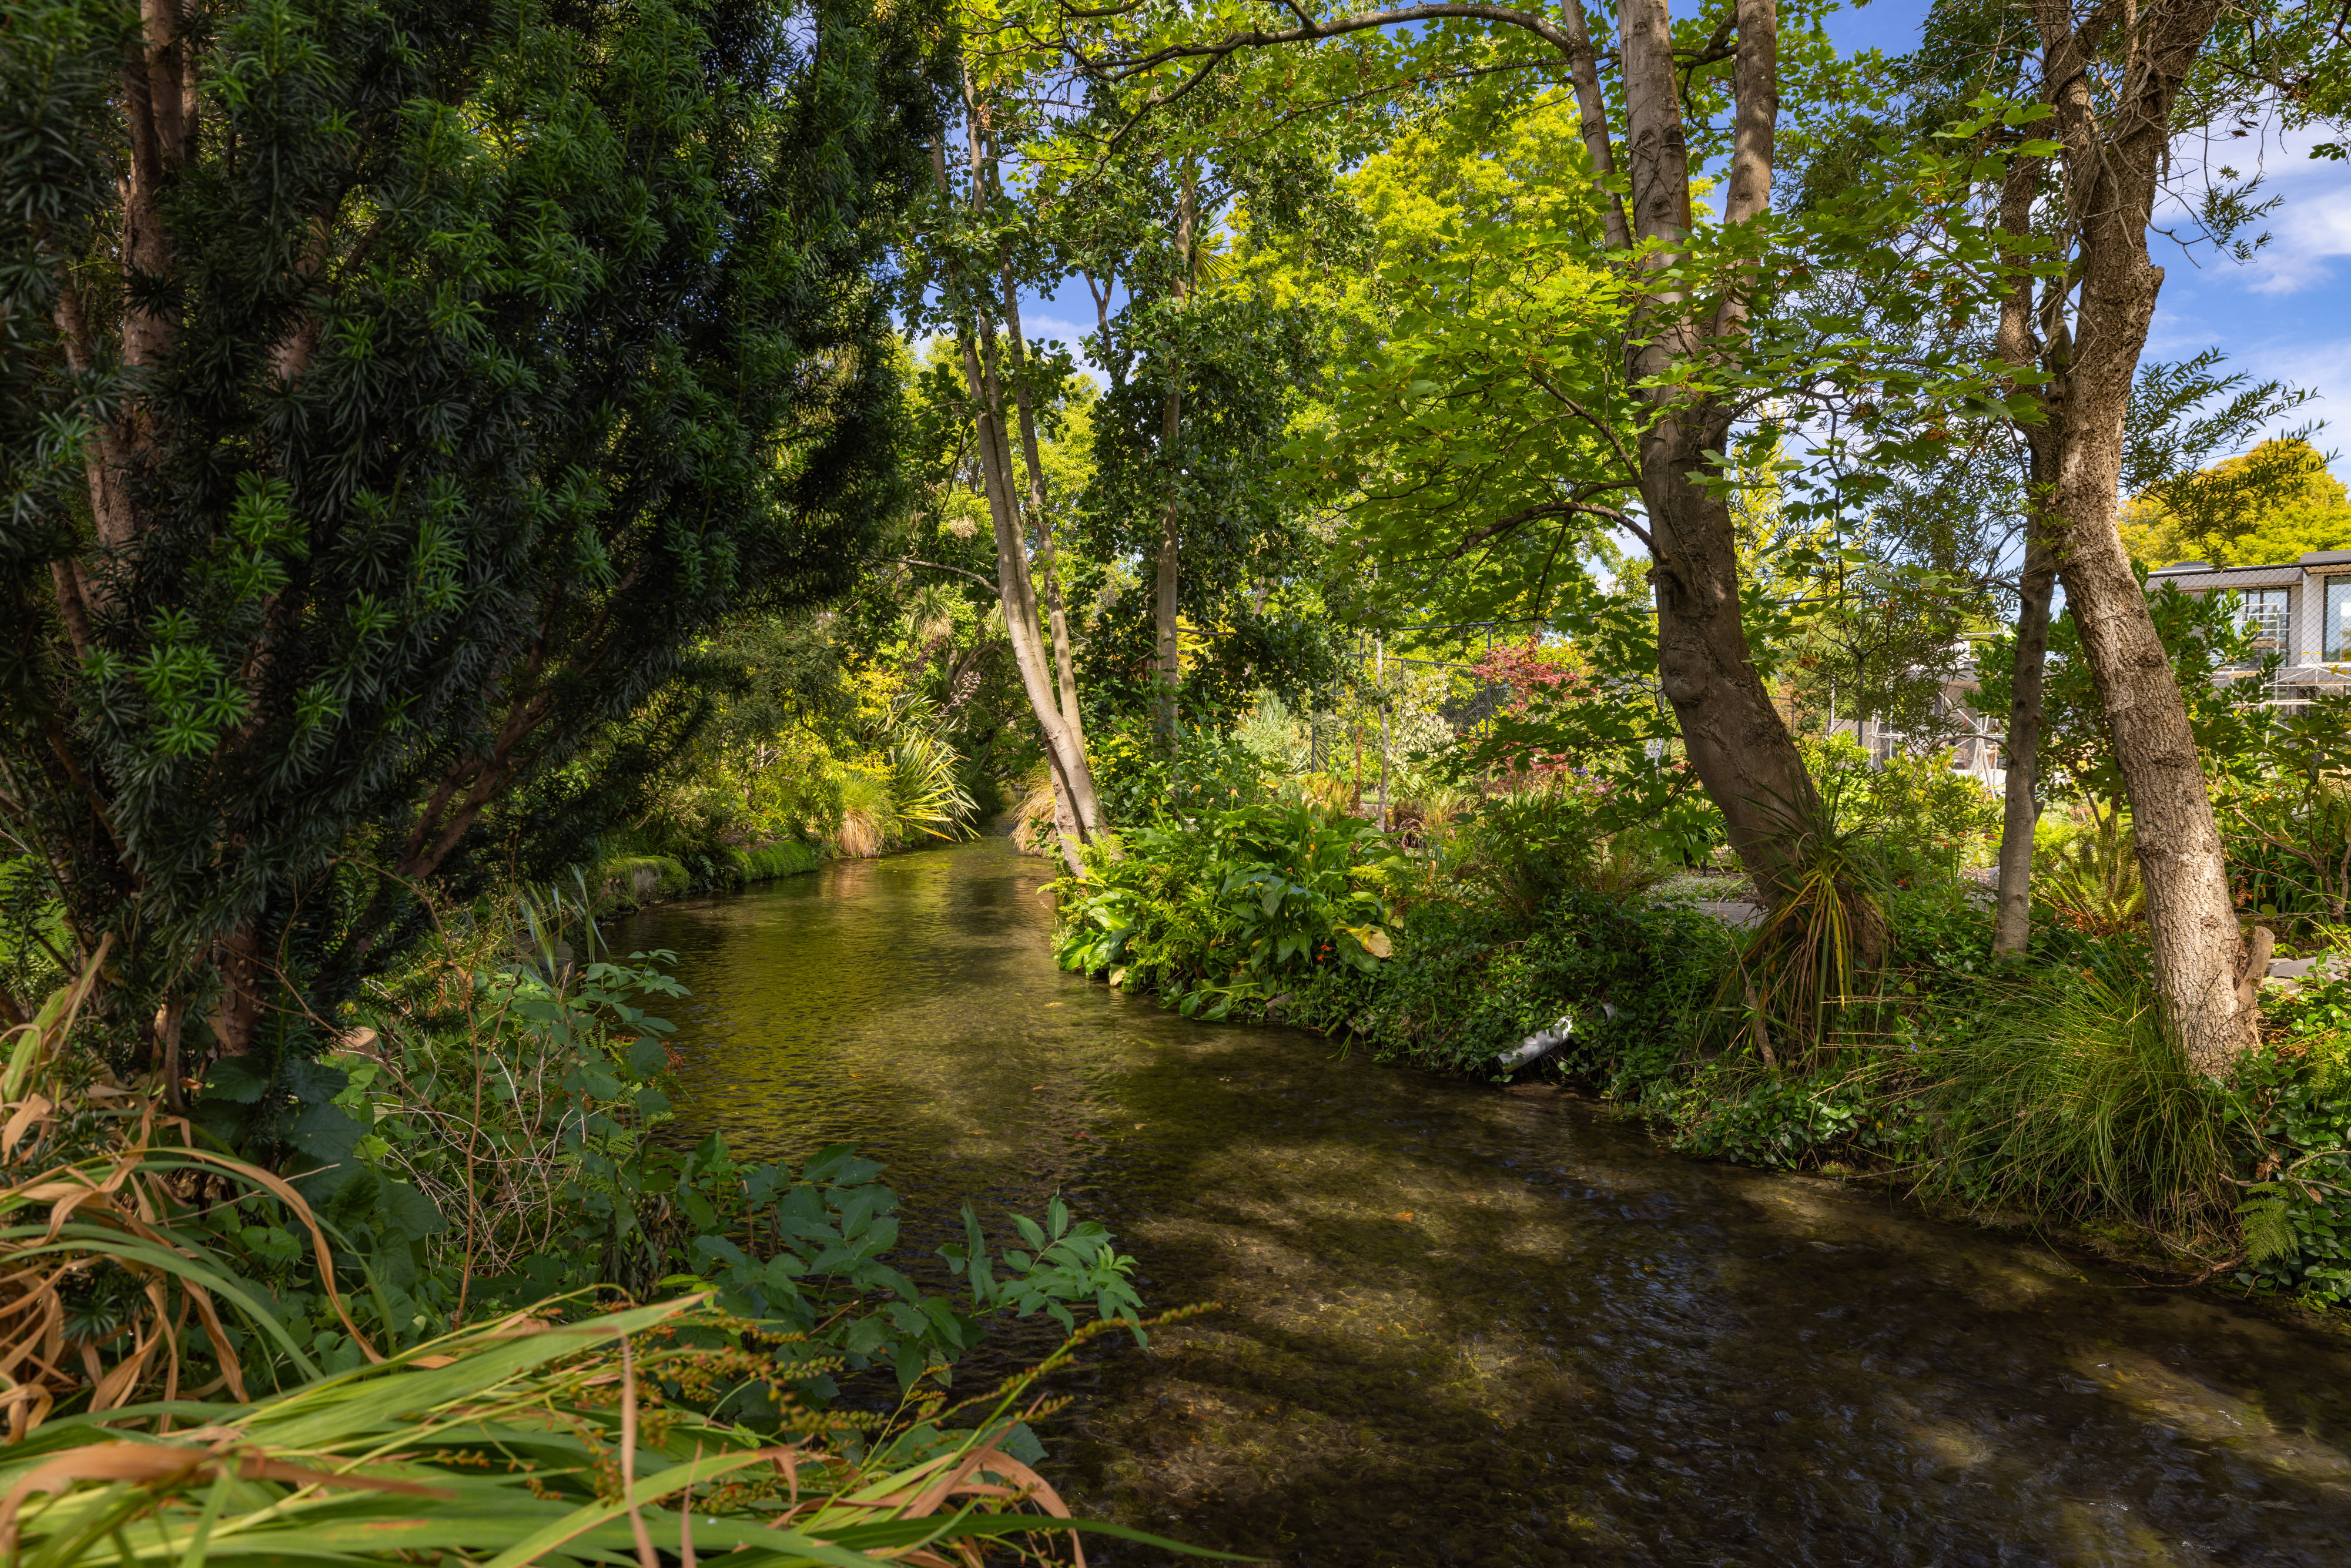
{"x":1468,"y":1326}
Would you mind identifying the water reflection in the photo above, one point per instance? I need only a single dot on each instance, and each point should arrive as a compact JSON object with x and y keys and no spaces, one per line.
{"x":1470,"y":1327}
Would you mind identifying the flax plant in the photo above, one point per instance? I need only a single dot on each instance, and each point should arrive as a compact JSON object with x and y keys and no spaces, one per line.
{"x":520,"y":1442}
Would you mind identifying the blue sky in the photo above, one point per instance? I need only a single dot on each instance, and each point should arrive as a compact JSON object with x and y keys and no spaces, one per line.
{"x":2286,"y":314}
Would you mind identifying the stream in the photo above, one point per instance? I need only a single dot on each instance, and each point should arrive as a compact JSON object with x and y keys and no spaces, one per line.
{"x":1468,"y":1326}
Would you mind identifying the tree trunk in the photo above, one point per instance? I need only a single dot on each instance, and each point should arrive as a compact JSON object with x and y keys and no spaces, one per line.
{"x":2013,"y":914}
{"x":1740,"y":747}
{"x":2201,"y":961}
{"x":1082,"y":805}
{"x":2011,"y":927}
{"x":1165,"y":626}
{"x":1065,"y":753}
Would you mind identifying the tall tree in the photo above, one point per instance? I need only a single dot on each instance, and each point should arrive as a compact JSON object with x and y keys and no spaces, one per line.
{"x":979,"y":246}
{"x":2113,"y":87}
{"x":1693,"y":296}
{"x":392,"y":392}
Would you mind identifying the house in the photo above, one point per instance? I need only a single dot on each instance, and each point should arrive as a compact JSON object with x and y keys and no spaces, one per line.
{"x":2302,"y":609}
{"x":1973,"y":739}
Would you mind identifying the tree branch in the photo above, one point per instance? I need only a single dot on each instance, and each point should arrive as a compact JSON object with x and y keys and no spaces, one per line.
{"x":987,"y":583}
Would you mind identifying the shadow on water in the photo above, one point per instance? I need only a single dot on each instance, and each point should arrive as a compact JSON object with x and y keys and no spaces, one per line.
{"x":1462,"y":1326}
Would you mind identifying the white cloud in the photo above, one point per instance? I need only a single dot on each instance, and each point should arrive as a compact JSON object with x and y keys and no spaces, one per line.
{"x":2307,"y":236}
{"x":2309,"y":230}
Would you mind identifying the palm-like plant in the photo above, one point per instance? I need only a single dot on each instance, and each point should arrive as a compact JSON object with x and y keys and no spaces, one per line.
{"x":1816,"y":954}
{"x":2093,"y":880}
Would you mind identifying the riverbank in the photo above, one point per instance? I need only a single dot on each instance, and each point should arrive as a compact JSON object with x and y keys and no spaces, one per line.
{"x":1464,"y":1323}
{"x":2043,"y":1086}
{"x":629,"y":883}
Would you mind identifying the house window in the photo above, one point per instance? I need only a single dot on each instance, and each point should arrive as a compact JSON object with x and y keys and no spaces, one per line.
{"x":2337,"y":643}
{"x":2266,"y":614}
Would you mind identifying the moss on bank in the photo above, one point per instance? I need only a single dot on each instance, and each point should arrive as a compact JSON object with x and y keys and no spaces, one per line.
{"x":632,"y":882}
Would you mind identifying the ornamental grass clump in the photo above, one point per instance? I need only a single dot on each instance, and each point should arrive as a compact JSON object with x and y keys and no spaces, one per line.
{"x":2071,"y":1098}
{"x":1810,"y":979}
{"x":123,"y":1265}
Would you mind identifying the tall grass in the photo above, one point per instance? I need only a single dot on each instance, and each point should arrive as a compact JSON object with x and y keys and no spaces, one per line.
{"x":867,"y":814}
{"x":2072,"y":1098}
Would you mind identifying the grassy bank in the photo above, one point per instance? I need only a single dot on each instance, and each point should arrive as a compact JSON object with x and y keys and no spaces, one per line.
{"x":632,"y":882}
{"x":2043,"y":1087}
{"x":437,"y":1228}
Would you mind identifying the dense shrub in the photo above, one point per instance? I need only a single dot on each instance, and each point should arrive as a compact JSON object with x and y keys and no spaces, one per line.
{"x":2297,"y":1112}
{"x":1229,"y":911}
{"x":1469,"y":981}
{"x":1925,"y":820}
{"x":789,"y":858}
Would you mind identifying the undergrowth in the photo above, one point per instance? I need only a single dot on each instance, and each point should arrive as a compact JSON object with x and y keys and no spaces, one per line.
{"x":2045,"y":1087}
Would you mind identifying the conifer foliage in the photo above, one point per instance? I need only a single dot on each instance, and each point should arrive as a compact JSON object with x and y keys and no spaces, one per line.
{"x":393,"y":390}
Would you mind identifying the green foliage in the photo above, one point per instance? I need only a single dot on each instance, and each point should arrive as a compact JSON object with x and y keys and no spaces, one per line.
{"x":1524,"y":848}
{"x":2068,"y":1095}
{"x":633,"y":881}
{"x":1810,"y":977}
{"x":572,"y":1075}
{"x":2297,"y":1097}
{"x":2268,"y":504}
{"x":2285,"y":812}
{"x":1141,"y":783}
{"x":1729,"y":1111}
{"x":786,"y":859}
{"x":1065,"y":1264}
{"x":1231,"y":909}
{"x":1471,"y":979}
{"x":1586,"y":721}
{"x":2202,"y":637}
{"x":481,"y":364}
{"x":2091,"y":879}
{"x":1923,"y":818}
{"x":585,"y":1441}
{"x":483,"y":1144}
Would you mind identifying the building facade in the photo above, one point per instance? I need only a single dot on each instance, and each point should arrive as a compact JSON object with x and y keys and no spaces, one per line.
{"x":2302,"y":609}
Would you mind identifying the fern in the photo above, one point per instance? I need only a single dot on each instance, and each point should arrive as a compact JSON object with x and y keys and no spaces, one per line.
{"x":2268,"y":1224}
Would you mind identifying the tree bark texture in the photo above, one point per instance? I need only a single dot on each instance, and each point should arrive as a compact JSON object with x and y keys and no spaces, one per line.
{"x":2109,"y":170}
{"x":1737,"y":740}
{"x":2036,"y":585}
{"x":2013,"y":911}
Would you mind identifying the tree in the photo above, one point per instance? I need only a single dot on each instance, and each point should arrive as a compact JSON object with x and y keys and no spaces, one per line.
{"x":978,"y":246}
{"x":2091,"y":103}
{"x":392,"y":395}
{"x":1205,"y":381}
{"x":2270,"y":503}
{"x":1700,"y":349}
